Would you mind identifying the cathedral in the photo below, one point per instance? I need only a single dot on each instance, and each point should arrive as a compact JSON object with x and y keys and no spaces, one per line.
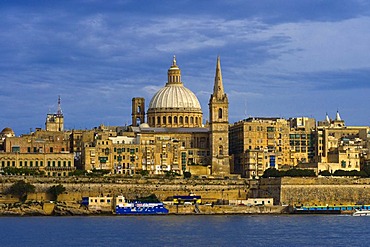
{"x":172,"y":137}
{"x":175,"y":118}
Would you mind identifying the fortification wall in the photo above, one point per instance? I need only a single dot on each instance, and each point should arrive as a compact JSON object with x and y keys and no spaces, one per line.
{"x":76,"y":188}
{"x":285,"y":191}
{"x":317,"y":191}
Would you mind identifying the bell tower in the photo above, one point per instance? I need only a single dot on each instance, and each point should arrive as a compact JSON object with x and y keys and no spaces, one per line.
{"x":55,"y":122}
{"x":219,"y":126}
{"x":138,"y":111}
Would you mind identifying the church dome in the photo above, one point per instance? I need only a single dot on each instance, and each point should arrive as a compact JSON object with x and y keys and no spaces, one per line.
{"x":174,"y":105}
{"x":8,"y":132}
{"x":175,"y":96}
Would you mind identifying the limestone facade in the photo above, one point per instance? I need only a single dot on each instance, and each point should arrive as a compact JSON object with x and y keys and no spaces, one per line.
{"x":46,"y":151}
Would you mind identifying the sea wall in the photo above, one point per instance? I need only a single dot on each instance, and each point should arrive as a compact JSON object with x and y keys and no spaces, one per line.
{"x":316,"y":191}
{"x":284,"y":191}
{"x":76,"y":188}
{"x":225,"y":209}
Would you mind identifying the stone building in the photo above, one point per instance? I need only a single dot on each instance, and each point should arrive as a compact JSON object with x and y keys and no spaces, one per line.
{"x":174,"y":138}
{"x":339,"y":146}
{"x":302,"y":140}
{"x":46,"y":151}
{"x":257,"y":144}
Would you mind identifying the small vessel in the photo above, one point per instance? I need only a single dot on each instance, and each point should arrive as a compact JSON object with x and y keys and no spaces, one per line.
{"x":316,"y":210}
{"x":361,"y":213}
{"x":137,"y":208}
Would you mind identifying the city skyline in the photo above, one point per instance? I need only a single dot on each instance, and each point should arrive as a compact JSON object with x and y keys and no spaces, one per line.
{"x":278,"y":58}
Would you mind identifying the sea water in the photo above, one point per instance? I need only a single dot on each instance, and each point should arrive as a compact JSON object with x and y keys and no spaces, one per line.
{"x":282,"y":230}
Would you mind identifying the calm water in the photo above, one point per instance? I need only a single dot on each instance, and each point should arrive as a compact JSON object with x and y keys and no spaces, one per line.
{"x":185,"y":231}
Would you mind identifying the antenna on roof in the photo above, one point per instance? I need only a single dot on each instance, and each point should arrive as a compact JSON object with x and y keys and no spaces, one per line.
{"x":245,"y":108}
{"x":59,"y":112}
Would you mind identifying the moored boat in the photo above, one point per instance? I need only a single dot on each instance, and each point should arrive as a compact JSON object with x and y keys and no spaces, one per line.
{"x":137,"y":208}
{"x":335,"y":209}
{"x":361,"y":213}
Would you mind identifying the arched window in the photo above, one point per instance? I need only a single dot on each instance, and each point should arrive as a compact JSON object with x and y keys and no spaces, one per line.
{"x":170,"y":120}
{"x":196,"y":120}
{"x":175,"y":119}
{"x":220,"y":113}
{"x":220,"y":150}
{"x":181,"y":120}
{"x":164,"y":120}
{"x":139,"y":109}
{"x":191,"y":120}
{"x":158,"y":120}
{"x":186,"y":119}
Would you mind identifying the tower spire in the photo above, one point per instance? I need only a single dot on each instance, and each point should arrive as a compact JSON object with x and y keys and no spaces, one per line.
{"x":337,"y":116}
{"x":218,"y":125}
{"x":59,"y":112}
{"x":218,"y":89}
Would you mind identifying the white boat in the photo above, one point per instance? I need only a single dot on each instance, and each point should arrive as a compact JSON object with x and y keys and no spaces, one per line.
{"x":361,"y":213}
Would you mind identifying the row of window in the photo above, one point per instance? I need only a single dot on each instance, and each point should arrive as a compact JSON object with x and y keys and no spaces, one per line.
{"x":37,"y":163}
{"x":16,"y":149}
{"x":176,"y":120}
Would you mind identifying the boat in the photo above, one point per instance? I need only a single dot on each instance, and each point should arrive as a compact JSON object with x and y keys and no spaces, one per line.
{"x":329,"y":209}
{"x":315,"y":210}
{"x":124,"y":207}
{"x":361,"y":213}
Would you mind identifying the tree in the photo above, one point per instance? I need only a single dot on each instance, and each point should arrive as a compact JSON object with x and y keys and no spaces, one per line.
{"x":77,"y":173}
{"x":325,"y":173}
{"x":144,"y":173}
{"x":271,"y":172}
{"x":366,"y":169}
{"x":187,"y":175}
{"x":300,"y":173}
{"x":148,"y":199}
{"x":56,"y":190}
{"x":20,"y":189}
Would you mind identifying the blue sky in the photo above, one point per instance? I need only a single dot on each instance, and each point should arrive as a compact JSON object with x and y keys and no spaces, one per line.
{"x":279,"y":58}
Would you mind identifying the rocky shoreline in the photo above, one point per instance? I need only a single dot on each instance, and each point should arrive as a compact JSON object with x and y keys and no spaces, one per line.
{"x":74,"y":209}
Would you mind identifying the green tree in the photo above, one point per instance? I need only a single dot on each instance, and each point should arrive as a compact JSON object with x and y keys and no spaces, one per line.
{"x":325,"y":173}
{"x":20,"y":189}
{"x":271,"y":172}
{"x":366,"y":169}
{"x":77,"y":173}
{"x":144,"y":173}
{"x":300,"y":173}
{"x":56,"y":190}
{"x":148,"y":199}
{"x":187,"y":174}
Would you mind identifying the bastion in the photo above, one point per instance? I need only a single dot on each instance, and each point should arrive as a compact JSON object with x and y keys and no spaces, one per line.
{"x":315,"y":191}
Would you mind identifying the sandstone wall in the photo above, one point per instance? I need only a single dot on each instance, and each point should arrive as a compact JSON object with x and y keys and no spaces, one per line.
{"x":317,"y":191}
{"x":76,"y":188}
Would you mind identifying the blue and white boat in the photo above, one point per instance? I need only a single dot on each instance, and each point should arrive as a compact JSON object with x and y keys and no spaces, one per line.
{"x":361,"y":213}
{"x":137,"y":208}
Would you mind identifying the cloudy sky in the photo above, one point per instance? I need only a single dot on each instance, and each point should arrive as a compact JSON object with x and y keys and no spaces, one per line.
{"x":279,"y":58}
